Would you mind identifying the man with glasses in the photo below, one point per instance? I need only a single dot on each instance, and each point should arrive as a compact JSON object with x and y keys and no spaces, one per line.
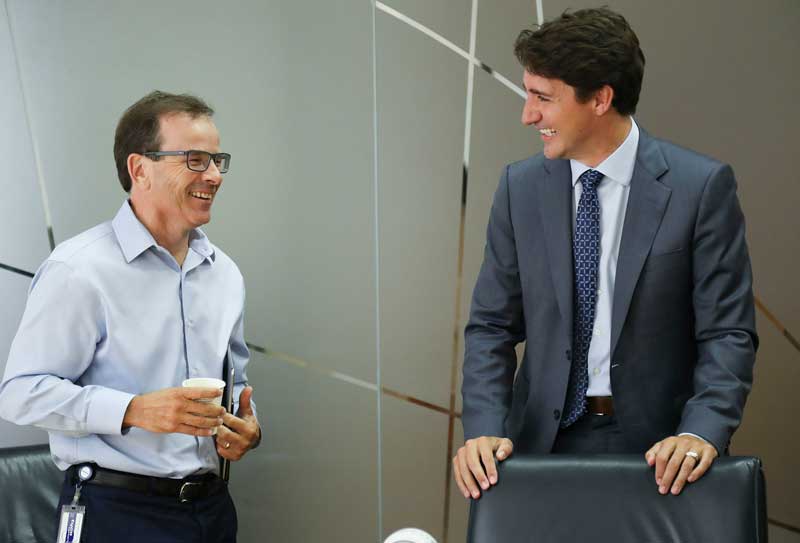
{"x":116,"y":319}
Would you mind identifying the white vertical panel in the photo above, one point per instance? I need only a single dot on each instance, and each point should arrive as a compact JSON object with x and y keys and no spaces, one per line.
{"x":23,"y":232}
{"x":420,"y":138}
{"x":291,"y":84}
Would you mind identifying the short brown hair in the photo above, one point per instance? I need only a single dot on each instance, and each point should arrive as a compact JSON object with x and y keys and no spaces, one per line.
{"x":138,"y":129}
{"x":587,"y":49}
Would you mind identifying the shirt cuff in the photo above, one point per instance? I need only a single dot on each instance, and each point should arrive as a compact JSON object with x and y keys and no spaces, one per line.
{"x":107,"y":410}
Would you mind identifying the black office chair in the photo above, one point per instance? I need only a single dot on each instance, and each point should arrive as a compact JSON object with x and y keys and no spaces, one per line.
{"x":614,"y":498}
{"x":29,"y":488}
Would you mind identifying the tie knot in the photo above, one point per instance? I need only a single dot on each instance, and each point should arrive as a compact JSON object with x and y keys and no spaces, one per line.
{"x":590,"y":179}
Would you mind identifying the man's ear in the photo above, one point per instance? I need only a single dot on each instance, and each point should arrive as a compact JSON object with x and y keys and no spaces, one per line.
{"x":139,"y":171}
{"x":602,"y":99}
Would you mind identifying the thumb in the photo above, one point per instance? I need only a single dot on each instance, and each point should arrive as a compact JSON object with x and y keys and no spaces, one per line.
{"x":245,"y":408}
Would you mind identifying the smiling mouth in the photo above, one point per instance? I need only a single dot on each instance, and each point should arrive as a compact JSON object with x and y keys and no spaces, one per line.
{"x":202,"y":195}
{"x":547,"y":132}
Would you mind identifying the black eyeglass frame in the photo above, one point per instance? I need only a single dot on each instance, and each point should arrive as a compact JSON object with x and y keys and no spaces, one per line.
{"x":219,"y":159}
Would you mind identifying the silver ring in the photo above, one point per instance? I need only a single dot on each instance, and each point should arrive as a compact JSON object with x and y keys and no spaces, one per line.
{"x":228,"y":445}
{"x":692,"y":454}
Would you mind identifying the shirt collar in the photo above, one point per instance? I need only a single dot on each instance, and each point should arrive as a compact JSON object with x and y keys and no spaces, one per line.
{"x":198,"y":242}
{"x":134,"y":238}
{"x":618,"y":166}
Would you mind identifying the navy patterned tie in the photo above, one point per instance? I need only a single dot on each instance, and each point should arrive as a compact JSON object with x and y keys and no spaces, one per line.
{"x":586,"y":257}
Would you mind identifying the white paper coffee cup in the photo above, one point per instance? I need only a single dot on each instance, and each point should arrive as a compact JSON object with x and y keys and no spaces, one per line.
{"x":206,"y":382}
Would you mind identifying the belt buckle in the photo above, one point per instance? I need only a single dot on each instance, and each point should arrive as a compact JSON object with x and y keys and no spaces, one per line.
{"x":187,"y":493}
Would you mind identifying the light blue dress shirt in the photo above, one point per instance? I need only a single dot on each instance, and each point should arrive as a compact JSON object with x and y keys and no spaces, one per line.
{"x":110,"y":315}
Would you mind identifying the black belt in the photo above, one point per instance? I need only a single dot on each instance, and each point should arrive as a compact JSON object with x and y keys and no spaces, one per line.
{"x":184,"y":490}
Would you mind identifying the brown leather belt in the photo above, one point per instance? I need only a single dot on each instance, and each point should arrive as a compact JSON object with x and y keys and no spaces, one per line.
{"x":600,"y":405}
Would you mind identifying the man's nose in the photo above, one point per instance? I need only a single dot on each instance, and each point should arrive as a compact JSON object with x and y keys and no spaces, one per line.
{"x":212,"y":173}
{"x":530,"y":114}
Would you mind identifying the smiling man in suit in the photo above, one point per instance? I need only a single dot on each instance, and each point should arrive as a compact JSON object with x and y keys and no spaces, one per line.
{"x":620,"y":260}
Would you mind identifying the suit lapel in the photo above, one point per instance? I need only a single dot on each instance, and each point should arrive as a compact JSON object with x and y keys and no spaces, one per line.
{"x":647,"y":203}
{"x":555,"y":203}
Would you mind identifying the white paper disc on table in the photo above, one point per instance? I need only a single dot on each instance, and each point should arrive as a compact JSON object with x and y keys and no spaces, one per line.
{"x":410,"y":535}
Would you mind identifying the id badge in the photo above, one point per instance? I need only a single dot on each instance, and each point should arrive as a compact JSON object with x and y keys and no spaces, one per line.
{"x":71,"y":524}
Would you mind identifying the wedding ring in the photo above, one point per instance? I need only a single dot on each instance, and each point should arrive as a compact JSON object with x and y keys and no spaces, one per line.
{"x":692,"y":454}
{"x":228,"y":445}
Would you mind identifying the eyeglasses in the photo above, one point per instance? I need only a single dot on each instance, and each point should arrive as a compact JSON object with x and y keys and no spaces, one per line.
{"x":197,"y":161}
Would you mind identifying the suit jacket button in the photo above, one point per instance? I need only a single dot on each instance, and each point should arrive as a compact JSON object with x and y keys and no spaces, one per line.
{"x":569,"y":354}
{"x":556,"y":414}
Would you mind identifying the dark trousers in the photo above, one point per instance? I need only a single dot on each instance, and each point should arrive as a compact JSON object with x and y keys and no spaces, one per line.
{"x":593,"y":434}
{"x":124,"y":516}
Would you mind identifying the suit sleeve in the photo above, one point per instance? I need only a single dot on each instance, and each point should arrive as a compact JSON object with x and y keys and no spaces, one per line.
{"x":724,"y":314}
{"x":495,"y":326}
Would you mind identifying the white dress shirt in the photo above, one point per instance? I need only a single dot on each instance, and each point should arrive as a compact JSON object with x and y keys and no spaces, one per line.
{"x":612,"y":193}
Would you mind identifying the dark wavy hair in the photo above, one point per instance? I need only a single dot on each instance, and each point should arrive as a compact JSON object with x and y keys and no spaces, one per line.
{"x":587,"y":49}
{"x":138,"y":130}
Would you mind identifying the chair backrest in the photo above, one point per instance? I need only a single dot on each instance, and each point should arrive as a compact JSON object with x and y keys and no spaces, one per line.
{"x":614,"y":498}
{"x":30,"y":484}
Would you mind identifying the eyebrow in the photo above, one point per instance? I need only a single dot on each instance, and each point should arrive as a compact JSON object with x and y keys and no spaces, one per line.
{"x":534,"y":90}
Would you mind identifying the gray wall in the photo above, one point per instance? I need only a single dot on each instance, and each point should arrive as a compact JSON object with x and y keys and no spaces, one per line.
{"x":347,"y":211}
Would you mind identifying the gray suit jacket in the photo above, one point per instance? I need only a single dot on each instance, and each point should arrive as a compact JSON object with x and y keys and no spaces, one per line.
{"x":683,"y":336}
